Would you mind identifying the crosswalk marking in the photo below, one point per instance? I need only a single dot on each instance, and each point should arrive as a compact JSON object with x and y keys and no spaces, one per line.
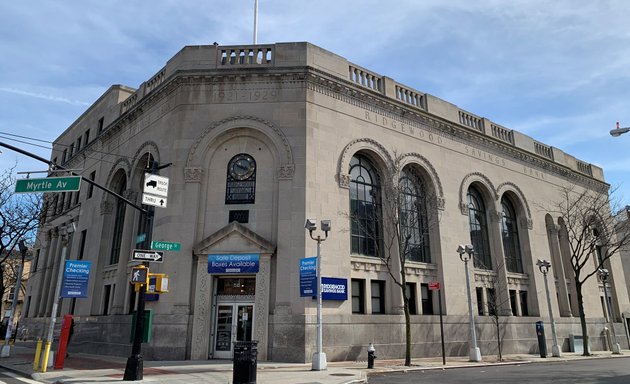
{"x":15,"y":379}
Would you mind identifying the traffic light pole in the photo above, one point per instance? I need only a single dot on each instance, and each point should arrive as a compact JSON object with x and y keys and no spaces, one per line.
{"x":134,"y":367}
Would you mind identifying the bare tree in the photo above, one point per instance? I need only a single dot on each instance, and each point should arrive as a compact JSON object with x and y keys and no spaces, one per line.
{"x":407,"y":209}
{"x":589,"y":225}
{"x":497,"y":304}
{"x":19,"y":217}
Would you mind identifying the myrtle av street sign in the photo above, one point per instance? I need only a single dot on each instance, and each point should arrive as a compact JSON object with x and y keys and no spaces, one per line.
{"x":48,"y":184}
{"x":145,"y":255}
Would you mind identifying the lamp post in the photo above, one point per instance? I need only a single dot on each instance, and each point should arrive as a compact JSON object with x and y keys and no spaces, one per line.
{"x":6,"y":348}
{"x":465,"y":254}
{"x":619,"y":131}
{"x":319,"y":357}
{"x":544,"y":267}
{"x":65,"y":238}
{"x":603,"y":276}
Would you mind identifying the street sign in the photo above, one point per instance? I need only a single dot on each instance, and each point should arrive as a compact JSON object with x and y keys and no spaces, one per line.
{"x":166,"y":246}
{"x":48,"y":184}
{"x":155,"y":185}
{"x":146,"y":255}
{"x":156,"y":201}
{"x":434,"y":285}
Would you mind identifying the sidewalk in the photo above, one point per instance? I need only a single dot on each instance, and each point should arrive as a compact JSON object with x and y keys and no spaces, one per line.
{"x":85,"y":368}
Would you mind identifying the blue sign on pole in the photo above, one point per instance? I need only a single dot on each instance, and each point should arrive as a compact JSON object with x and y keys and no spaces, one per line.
{"x":75,"y":279}
{"x":334,"y":288}
{"x":233,"y":263}
{"x":308,"y":277}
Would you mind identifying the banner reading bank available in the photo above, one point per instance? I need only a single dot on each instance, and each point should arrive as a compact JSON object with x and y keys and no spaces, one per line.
{"x":233,"y":263}
{"x":76,"y":275}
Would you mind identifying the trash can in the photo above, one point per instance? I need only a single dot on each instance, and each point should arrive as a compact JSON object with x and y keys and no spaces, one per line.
{"x":245,"y":362}
{"x":542,"y":344}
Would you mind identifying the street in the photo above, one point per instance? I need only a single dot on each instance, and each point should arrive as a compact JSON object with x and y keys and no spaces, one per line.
{"x":592,"y":371}
{"x":7,"y":377}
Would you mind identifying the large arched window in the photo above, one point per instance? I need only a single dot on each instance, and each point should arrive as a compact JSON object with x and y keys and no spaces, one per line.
{"x":478,"y":229}
{"x":365,"y":210}
{"x":509,"y":233}
{"x":119,"y":220}
{"x":414,"y":226}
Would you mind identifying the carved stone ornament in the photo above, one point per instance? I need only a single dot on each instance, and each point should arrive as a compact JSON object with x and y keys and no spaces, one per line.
{"x":440,"y":202}
{"x":130,"y":195}
{"x":344,"y":180}
{"x":463,"y":208}
{"x":527,"y":223}
{"x":106,"y":208}
{"x":193,"y":174}
{"x":286,"y":172}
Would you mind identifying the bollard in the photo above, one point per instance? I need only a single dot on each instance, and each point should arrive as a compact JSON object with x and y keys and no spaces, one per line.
{"x":38,"y":351}
{"x":45,"y":356}
{"x":371,"y":355}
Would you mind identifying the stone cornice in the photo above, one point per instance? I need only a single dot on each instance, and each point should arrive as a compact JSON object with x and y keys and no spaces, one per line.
{"x":347,"y":91}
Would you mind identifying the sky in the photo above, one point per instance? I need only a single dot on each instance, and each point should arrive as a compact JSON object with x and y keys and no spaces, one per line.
{"x":558,"y":71}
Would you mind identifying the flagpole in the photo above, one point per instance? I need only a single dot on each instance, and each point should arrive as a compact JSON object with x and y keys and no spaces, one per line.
{"x":255,"y":21}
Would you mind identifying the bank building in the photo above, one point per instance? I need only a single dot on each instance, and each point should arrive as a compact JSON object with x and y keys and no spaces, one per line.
{"x":261,"y":138}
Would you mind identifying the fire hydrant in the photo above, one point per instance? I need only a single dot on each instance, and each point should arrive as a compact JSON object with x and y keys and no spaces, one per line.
{"x":371,"y":355}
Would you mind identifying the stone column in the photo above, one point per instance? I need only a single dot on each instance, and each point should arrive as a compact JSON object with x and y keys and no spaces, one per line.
{"x":202,"y":311}
{"x":261,"y":322}
{"x":55,"y":250}
{"x":126,"y":243}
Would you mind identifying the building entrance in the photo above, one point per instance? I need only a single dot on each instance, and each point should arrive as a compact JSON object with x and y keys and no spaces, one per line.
{"x":234,"y":314}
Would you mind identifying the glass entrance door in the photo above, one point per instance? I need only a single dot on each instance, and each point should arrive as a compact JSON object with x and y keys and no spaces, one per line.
{"x":234,"y":322}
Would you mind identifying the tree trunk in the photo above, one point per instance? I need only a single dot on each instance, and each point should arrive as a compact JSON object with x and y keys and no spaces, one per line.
{"x":407,"y":330}
{"x":580,"y":299}
{"x":498,"y":327}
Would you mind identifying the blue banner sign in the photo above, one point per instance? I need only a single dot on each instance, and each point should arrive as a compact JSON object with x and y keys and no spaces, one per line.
{"x":76,"y":275}
{"x":334,"y":288}
{"x":308,"y":276}
{"x":233,"y":263}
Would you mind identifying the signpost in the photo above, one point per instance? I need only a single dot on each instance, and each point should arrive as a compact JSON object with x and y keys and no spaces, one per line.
{"x":145,"y":255}
{"x":435,"y":286}
{"x":155,"y":190}
{"x":48,"y":184}
{"x":166,"y":246}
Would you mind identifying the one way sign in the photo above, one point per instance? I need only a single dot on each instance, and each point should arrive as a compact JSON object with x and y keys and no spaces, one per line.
{"x":146,"y":255}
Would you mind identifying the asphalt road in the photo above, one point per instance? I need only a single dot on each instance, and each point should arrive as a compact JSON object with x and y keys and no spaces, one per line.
{"x":591,"y":371}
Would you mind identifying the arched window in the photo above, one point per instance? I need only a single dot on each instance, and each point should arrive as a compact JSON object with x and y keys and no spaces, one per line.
{"x":119,"y":221}
{"x":365,"y":207}
{"x":241,"y":180}
{"x":413,"y":217}
{"x":478,"y":229}
{"x":509,"y":233}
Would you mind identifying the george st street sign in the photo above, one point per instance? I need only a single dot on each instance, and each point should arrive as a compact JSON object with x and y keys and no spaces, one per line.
{"x":48,"y":184}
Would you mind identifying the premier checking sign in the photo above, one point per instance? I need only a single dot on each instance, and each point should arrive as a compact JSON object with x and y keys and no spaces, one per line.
{"x":233,"y":263}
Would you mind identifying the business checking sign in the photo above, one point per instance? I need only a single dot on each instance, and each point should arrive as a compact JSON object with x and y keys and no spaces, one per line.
{"x":76,"y":275}
{"x":233,"y":263}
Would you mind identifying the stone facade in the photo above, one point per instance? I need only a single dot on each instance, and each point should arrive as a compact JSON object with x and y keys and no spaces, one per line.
{"x":302,"y":114}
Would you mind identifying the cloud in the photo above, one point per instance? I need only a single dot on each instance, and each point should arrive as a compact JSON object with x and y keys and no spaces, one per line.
{"x":44,"y":96}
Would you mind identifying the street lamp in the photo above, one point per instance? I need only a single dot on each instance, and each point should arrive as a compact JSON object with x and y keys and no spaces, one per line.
{"x":619,"y":131}
{"x":6,"y":348}
{"x":65,"y":233}
{"x":544,"y":267}
{"x":603,"y":276}
{"x":465,"y":254}
{"x":319,"y":357}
